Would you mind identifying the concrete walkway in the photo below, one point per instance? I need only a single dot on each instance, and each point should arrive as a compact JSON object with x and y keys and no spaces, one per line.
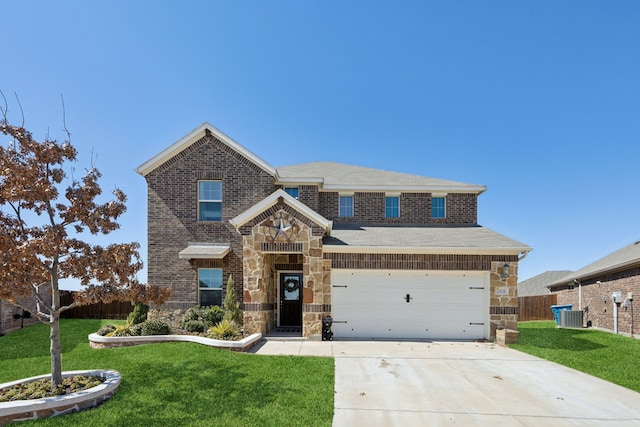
{"x":391,"y":383}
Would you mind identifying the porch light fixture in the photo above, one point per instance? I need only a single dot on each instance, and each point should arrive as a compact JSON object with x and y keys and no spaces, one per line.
{"x":505,"y":271}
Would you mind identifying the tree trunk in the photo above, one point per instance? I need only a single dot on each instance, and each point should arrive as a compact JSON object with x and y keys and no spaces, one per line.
{"x":56,"y":351}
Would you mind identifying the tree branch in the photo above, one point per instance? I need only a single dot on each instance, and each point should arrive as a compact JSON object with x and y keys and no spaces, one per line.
{"x":21,"y":110}
{"x":64,"y":120}
{"x":4,"y":110}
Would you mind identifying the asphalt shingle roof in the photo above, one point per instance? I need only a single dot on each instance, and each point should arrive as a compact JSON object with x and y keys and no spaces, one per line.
{"x":622,"y":258}
{"x":346,"y":175}
{"x":538,"y":285}
{"x":428,"y":237}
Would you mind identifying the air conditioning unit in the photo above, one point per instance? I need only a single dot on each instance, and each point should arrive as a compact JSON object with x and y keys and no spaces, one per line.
{"x":570,"y":319}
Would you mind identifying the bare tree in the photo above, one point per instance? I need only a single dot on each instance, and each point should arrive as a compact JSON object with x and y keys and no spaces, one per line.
{"x":44,"y":216}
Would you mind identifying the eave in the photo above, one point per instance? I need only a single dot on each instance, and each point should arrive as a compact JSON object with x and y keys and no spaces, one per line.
{"x":272,"y":200}
{"x":347,"y":249}
{"x":192,"y":137}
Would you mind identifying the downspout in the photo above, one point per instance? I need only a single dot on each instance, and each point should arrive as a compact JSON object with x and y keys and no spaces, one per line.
{"x":579,"y":293}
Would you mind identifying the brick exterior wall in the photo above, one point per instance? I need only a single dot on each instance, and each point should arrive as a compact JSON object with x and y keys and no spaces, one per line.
{"x":9,"y":323}
{"x":598,"y":298}
{"x":415,"y":208}
{"x":417,"y":261}
{"x":173,"y":210}
{"x":254,"y":260}
{"x":309,"y":195}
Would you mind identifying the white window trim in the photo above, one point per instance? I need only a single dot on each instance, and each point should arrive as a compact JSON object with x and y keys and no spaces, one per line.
{"x":207,"y":200}
{"x":353,"y":207}
{"x":200,"y":289}
{"x":439,"y":196}
{"x":389,"y":195}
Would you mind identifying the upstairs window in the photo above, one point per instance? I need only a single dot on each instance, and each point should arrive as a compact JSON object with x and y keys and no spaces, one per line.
{"x":438,"y":207}
{"x":392,"y":207}
{"x":292,"y":191}
{"x":210,"y":286}
{"x":209,"y":200}
{"x":345,"y":207}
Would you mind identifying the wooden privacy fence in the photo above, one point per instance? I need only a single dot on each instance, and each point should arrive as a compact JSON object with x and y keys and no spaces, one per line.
{"x":112,"y":310}
{"x":536,"y":307}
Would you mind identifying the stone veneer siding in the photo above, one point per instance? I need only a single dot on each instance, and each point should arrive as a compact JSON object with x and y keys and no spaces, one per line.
{"x":260,"y":293}
{"x":173,"y":214}
{"x":598,"y":298}
{"x":415,"y":208}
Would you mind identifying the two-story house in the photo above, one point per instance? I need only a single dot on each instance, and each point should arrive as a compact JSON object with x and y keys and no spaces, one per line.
{"x":386,"y":254}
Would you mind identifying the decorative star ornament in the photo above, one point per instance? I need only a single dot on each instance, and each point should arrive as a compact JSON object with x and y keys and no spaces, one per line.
{"x":282,"y":226}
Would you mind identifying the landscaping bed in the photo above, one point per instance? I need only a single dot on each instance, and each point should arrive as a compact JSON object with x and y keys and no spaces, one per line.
{"x":179,"y":383}
{"x":28,"y":399}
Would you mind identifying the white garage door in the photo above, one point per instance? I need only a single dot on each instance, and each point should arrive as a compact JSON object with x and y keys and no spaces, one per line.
{"x":410,"y":304}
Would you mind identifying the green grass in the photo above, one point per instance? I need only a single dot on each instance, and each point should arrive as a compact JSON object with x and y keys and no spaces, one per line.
{"x":602,"y":354}
{"x":179,"y":384}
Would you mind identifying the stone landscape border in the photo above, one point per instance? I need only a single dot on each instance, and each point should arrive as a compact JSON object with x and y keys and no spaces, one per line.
{"x":99,"y":341}
{"x":22,"y":410}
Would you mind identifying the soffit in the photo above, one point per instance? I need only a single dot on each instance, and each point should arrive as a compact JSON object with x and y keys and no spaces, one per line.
{"x":411,"y":239}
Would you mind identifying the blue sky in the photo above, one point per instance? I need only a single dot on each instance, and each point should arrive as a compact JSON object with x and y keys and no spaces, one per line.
{"x":537,"y":100}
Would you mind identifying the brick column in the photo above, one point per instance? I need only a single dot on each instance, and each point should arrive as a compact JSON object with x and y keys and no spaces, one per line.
{"x":503,"y":306}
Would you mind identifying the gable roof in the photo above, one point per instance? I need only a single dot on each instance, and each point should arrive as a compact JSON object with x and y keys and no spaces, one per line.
{"x":350,"y":238}
{"x":272,"y":200}
{"x":340,"y":176}
{"x":192,"y":137}
{"x":328,"y":175}
{"x":627,"y":257}
{"x":539,"y":285}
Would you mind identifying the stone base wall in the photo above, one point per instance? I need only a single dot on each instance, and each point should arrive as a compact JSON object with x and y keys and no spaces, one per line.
{"x":503,"y":304}
{"x":507,"y":336}
{"x":258,"y":322}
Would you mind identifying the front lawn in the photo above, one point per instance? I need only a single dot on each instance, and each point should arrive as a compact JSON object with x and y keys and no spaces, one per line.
{"x":179,"y":384}
{"x":602,"y":354}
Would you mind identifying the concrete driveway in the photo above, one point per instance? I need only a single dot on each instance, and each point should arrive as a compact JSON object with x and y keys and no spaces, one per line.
{"x":390,"y":383}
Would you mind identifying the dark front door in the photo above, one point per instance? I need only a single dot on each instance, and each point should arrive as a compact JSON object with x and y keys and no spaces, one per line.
{"x":291,"y":299}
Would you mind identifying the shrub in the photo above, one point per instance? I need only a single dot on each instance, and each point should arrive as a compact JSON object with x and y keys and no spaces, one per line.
{"x":194,"y":326}
{"x":121,"y":331}
{"x":136,"y":329}
{"x":225,"y":330}
{"x":154,"y":327}
{"x":106,"y":329}
{"x":213,"y":315}
{"x":192,"y":314}
{"x":231,"y":306}
{"x":139,"y":314}
{"x":208,"y":316}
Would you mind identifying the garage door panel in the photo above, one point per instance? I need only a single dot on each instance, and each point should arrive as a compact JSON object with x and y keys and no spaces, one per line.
{"x":371,"y":304}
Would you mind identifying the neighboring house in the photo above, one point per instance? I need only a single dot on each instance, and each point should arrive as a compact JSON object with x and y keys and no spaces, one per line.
{"x":386,"y":254}
{"x":13,"y":317}
{"x":539,"y":285}
{"x":592,"y":288}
